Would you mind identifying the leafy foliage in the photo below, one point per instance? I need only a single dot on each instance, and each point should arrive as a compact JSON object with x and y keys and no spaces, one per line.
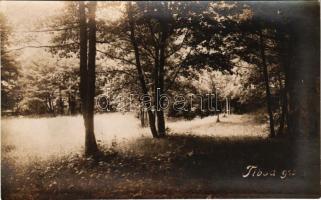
{"x":9,"y":69}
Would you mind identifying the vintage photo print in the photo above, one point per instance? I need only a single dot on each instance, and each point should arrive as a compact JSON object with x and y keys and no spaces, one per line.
{"x":160,"y":100}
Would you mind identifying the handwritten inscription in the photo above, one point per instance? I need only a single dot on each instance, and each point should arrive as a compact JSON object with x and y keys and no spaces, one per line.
{"x":255,"y":171}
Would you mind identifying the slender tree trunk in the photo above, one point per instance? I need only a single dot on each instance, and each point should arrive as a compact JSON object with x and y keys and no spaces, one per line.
{"x":161,"y":74}
{"x":151,"y":116}
{"x":61,"y":103}
{"x":267,"y":87}
{"x":282,"y":103}
{"x":285,"y":51}
{"x":287,"y":85}
{"x":69,"y":103}
{"x":218,"y":118}
{"x":51,"y":106}
{"x":72,"y":104}
{"x":146,"y":117}
{"x":283,"y":111}
{"x":226,"y":107}
{"x":142,"y":117}
{"x":47,"y":104}
{"x":156,"y":86}
{"x":87,"y":75}
{"x":216,"y":108}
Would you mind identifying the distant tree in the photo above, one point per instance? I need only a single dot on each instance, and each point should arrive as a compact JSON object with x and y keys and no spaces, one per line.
{"x":52,"y":82}
{"x":9,"y":70}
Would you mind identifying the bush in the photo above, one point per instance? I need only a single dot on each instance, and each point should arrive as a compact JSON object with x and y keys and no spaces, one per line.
{"x":32,"y":105}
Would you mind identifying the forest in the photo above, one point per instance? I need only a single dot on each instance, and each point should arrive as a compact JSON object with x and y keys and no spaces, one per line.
{"x":166,"y":99}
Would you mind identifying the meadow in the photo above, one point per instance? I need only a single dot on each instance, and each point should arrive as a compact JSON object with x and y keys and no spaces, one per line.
{"x":43,"y":158}
{"x":44,"y":138}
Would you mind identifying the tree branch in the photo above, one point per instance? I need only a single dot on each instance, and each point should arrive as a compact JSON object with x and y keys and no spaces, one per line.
{"x":47,"y":30}
{"x":176,"y":73}
{"x":128,"y":72}
{"x":116,"y":57}
{"x":180,"y":46}
{"x":38,"y":47}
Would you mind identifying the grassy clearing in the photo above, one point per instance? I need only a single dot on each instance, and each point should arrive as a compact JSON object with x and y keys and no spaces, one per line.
{"x":44,"y":138}
{"x":180,"y":165}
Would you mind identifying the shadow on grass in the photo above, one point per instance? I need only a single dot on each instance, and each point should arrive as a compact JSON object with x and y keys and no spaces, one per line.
{"x":205,"y":155}
{"x":177,"y":166}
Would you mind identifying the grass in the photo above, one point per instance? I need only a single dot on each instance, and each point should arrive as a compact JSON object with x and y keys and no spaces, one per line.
{"x":44,"y":138}
{"x":182,"y":165}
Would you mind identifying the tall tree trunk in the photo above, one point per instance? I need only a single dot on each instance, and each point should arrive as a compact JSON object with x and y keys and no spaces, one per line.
{"x":50,"y":105}
{"x":69,"y":103}
{"x":61,"y":103}
{"x":91,"y":145}
{"x":304,"y":93}
{"x":285,"y":53}
{"x":156,"y":85}
{"x":161,"y":74}
{"x":143,"y":116}
{"x":218,"y":116}
{"x":216,"y":108}
{"x":140,"y":72}
{"x":87,"y":75}
{"x":267,"y":87}
{"x":72,"y":104}
{"x":226,"y":106}
{"x":283,"y":111}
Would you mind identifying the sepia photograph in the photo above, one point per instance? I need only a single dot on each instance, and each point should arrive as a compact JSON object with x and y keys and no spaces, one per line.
{"x":160,"y":99}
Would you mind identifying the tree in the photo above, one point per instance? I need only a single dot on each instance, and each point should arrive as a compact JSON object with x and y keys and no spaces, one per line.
{"x":266,"y":80}
{"x":139,"y":70}
{"x":162,"y":43}
{"x":51,"y":83}
{"x":75,"y":30}
{"x":274,"y":37}
{"x":9,"y":70}
{"x":251,"y":46}
{"x":87,"y":73}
